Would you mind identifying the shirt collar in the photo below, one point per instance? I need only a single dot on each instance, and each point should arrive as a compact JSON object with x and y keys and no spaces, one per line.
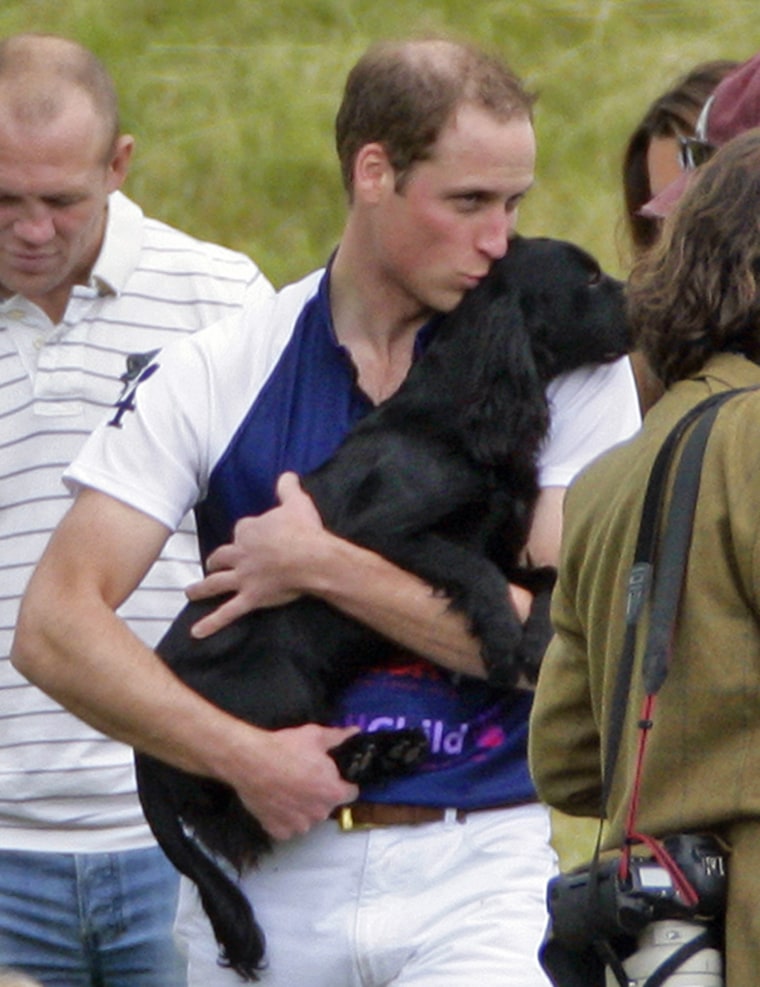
{"x":122,"y":243}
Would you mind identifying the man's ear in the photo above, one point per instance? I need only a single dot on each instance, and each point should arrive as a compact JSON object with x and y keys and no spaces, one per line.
{"x":118,"y":166}
{"x":373,"y":173}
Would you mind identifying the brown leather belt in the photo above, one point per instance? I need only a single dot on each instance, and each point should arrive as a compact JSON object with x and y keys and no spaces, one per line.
{"x":368,"y":815}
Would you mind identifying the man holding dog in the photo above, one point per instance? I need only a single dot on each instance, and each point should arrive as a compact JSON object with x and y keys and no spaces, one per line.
{"x":442,"y":881}
{"x":86,"y":280}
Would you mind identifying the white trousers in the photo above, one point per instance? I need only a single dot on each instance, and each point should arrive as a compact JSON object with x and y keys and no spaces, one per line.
{"x":445,"y":904}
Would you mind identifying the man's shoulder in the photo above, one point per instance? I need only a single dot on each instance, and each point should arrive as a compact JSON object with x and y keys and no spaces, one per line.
{"x":259,"y":330}
{"x":592,"y":409}
{"x":612,"y":380}
{"x":149,"y":261}
{"x":169,"y":246}
{"x":159,"y":235}
{"x":291,"y":300}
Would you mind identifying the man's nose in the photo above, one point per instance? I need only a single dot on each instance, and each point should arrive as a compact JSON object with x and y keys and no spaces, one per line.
{"x":34,"y":227}
{"x":496,"y":233}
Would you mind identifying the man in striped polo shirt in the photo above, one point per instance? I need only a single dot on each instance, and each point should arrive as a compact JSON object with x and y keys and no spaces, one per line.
{"x":88,"y":287}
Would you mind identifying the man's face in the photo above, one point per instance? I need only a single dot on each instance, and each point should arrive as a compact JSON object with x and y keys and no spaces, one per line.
{"x":55,"y":178}
{"x":439,"y":234}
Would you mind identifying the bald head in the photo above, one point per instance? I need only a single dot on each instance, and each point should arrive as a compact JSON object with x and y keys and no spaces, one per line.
{"x":39,"y":74}
{"x":402,"y":94}
{"x":61,"y":157}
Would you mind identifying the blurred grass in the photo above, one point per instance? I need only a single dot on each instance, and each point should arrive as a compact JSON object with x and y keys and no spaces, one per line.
{"x":232,"y":101}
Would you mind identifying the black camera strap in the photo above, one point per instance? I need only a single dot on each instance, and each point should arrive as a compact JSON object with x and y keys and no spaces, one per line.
{"x":657,"y":577}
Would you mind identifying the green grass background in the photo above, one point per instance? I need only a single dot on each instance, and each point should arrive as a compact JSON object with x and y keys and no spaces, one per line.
{"x":232,"y":101}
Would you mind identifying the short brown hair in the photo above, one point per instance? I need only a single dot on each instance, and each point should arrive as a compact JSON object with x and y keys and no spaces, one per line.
{"x":401,"y":95}
{"x":697,"y":291}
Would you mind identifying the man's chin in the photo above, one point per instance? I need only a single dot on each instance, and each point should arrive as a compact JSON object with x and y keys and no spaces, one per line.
{"x":30,"y":284}
{"x":449,"y":300}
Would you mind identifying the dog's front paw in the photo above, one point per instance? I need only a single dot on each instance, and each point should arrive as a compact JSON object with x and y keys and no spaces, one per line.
{"x":366,"y":758}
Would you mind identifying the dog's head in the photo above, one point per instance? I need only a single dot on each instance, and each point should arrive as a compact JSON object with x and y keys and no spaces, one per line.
{"x":573,"y":312}
{"x":545,"y":308}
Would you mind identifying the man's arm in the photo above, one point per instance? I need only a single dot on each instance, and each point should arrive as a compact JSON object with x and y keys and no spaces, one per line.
{"x":546,"y":530}
{"x":72,"y":645}
{"x":543,"y":543}
{"x":288,"y":552}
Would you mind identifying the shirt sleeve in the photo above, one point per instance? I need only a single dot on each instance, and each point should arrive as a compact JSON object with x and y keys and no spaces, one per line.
{"x":592,"y":409}
{"x":156,"y":450}
{"x":148,"y":453}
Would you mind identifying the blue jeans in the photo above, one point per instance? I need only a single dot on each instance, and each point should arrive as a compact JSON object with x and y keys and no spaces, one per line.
{"x":90,"y":920}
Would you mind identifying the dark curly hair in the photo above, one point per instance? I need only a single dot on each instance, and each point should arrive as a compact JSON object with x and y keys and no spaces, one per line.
{"x":696,"y":292}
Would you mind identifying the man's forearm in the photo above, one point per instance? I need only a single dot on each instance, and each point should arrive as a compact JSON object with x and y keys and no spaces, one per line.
{"x":98,"y":669}
{"x":72,"y":645}
{"x":406,"y":610}
{"x":287,"y":552}
{"x":123,"y":689}
{"x":400,"y":606}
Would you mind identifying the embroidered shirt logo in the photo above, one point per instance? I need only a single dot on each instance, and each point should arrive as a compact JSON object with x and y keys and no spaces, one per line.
{"x":139,"y":369}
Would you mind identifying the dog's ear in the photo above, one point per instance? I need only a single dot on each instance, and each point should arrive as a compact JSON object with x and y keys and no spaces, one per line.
{"x":506,"y":412}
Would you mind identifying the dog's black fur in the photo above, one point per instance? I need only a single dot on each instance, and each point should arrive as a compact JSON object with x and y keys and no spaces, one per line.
{"x":440,"y":479}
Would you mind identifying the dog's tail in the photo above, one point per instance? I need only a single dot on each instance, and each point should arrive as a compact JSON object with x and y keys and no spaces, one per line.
{"x":240,"y":937}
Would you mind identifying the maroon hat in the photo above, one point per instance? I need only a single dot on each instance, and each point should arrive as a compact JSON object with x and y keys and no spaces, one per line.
{"x":732,"y":109}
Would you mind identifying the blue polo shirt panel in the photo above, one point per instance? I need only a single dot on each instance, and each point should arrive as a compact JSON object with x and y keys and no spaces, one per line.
{"x":478,"y":736}
{"x":299,"y":418}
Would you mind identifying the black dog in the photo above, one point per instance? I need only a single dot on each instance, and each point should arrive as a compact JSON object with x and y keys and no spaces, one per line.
{"x":440,"y":479}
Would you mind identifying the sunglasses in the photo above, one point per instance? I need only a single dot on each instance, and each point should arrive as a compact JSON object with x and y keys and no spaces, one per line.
{"x":693,"y":152}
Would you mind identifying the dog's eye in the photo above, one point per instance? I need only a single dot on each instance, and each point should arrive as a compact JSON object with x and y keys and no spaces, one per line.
{"x":594,"y":277}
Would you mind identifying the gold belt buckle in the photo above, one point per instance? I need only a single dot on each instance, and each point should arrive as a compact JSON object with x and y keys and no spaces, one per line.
{"x":346,"y":821}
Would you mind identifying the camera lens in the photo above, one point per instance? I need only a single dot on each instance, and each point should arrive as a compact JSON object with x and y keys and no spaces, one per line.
{"x":658,"y":943}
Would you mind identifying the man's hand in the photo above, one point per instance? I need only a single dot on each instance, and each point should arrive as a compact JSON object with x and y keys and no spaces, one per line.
{"x":297,"y":784}
{"x":287,"y":552}
{"x":263,"y":565}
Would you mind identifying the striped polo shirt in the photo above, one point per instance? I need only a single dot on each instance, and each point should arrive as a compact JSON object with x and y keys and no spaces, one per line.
{"x":63,"y":786}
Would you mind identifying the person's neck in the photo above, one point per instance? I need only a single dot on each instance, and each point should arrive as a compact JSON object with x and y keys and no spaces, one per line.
{"x":54,"y":303}
{"x":376,"y":326}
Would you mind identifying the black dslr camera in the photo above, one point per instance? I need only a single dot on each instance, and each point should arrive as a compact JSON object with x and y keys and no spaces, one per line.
{"x":595,"y":904}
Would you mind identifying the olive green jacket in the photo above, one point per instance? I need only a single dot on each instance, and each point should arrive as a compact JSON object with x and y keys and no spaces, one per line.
{"x":702,"y":764}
